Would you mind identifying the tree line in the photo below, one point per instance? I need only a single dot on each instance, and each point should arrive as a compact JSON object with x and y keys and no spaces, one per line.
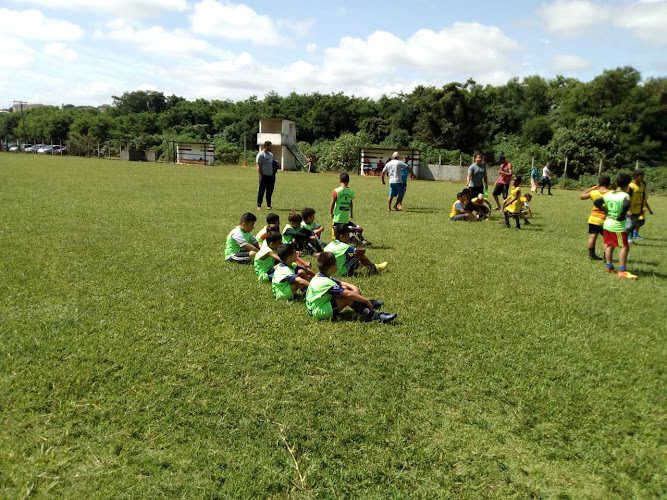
{"x":615,"y":117}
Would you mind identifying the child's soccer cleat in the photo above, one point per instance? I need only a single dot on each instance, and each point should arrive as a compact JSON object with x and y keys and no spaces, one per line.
{"x":526,"y":222}
{"x":637,"y":237}
{"x":382,"y":266}
{"x":377,"y":304}
{"x":594,"y":257}
{"x":610,"y":269}
{"x":626,"y":275}
{"x":384,"y":317}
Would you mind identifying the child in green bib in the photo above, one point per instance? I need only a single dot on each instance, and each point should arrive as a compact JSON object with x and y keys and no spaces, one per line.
{"x":266,"y":259}
{"x":342,"y":209}
{"x":288,"y":276}
{"x":348,"y":257}
{"x":326,"y":296}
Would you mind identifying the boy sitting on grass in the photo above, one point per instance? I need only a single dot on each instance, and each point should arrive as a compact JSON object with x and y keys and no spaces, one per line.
{"x":271,"y":220}
{"x":459,"y":210}
{"x":326,"y":296}
{"x":347,"y":256}
{"x":512,"y":205}
{"x":266,"y":258}
{"x":304,"y":239}
{"x":241,"y":246}
{"x":616,"y":205}
{"x":288,"y":276}
{"x":477,"y":205}
{"x":308,"y":216}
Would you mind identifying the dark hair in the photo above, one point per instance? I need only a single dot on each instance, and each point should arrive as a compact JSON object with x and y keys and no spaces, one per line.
{"x":273,"y":236}
{"x":529,"y":196}
{"x":273,"y":227}
{"x":344,"y":177}
{"x":518,"y":178}
{"x":267,"y":143}
{"x":623,"y":180}
{"x":294,"y":217}
{"x":341,"y":229}
{"x":325,"y":260}
{"x":285,"y":250}
{"x":272,"y":218}
{"x":604,"y":180}
{"x":307,"y":213}
{"x":248,"y":217}
{"x":466,"y":191}
{"x":637,"y":173}
{"x":458,"y":195}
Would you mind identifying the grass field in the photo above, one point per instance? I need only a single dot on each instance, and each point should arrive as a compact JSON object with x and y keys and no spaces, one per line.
{"x":135,"y":362}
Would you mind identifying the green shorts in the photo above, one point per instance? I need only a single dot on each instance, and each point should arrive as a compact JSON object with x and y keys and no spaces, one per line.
{"x":328,"y":310}
{"x":282,"y":291}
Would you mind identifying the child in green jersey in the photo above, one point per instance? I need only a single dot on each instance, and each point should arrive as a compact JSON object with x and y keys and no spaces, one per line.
{"x":288,"y":276}
{"x":271,"y":220}
{"x":308,"y":216}
{"x":347,"y":256}
{"x":326,"y":296}
{"x":241,"y":246}
{"x":266,"y":258}
{"x":616,"y":206}
{"x":342,"y":209}
{"x":303,"y":238}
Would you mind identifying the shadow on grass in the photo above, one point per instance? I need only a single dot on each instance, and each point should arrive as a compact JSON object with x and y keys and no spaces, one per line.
{"x":649,"y":274}
{"x":422,"y":210}
{"x":644,"y":262}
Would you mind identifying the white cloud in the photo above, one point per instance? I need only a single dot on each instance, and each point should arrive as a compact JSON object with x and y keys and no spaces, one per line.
{"x":132,"y":8}
{"x":16,"y":54}
{"x":61,"y":52}
{"x":311,"y":48}
{"x":464,"y":48}
{"x":156,"y":40}
{"x":33,"y":25}
{"x":572,"y":18}
{"x":224,"y":19}
{"x":646,"y":19}
{"x":568,"y":64}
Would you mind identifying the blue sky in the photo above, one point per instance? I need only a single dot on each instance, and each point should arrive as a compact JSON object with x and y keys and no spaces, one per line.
{"x":83,"y":52}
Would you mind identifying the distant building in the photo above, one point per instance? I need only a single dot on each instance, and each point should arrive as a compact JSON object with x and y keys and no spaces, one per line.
{"x":282,"y":135}
{"x":195,"y":153}
{"x":17,"y":106}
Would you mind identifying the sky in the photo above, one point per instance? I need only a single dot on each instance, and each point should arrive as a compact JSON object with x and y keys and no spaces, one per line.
{"x":83,"y":52}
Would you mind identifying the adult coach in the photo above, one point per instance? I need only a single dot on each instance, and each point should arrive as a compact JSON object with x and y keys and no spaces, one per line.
{"x":267,"y":176}
{"x":476,"y":179}
{"x":396,"y":187}
{"x":503,"y":182}
{"x":546,"y":178}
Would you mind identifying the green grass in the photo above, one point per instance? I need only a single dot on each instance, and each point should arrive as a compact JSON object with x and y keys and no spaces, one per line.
{"x":135,"y":362}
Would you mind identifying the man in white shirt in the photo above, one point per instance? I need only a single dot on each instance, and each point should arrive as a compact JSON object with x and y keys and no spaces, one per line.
{"x":546,"y":178}
{"x":396,"y":188}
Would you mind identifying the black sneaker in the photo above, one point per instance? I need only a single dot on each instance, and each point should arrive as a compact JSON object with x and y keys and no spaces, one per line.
{"x":366,"y":243}
{"x":377,"y":304}
{"x":384,"y":317}
{"x":526,"y":222}
{"x":594,"y":257}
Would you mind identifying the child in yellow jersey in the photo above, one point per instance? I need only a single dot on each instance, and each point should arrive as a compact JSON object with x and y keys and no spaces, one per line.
{"x":638,"y":204}
{"x":512,"y":205}
{"x":326,"y":296}
{"x":597,"y":217}
{"x":459,"y":210}
{"x":477,"y":205}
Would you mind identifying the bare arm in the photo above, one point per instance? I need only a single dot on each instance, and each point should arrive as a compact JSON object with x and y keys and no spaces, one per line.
{"x":382,"y":176}
{"x":587,"y":194}
{"x":351,"y":210}
{"x":468,"y":177}
{"x":333,"y":204}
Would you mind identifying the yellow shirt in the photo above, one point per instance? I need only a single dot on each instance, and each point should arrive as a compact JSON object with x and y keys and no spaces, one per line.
{"x":515,"y":206}
{"x":637,"y":198}
{"x":477,"y":202}
{"x":455,"y":211}
{"x":597,"y":216}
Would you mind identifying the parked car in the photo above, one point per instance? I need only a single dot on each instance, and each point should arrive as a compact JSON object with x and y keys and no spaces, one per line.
{"x":44,"y":149}
{"x":33,"y":148}
{"x":14,"y":148}
{"x":58,"y":150}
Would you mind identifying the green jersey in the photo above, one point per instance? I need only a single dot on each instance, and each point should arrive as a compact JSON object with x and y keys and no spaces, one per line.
{"x":235,"y":239}
{"x":280,"y":284}
{"x":614,"y":202}
{"x":343,"y":204}
{"x":340,"y":250}
{"x":287,"y":239}
{"x":264,"y":262}
{"x":318,"y":301}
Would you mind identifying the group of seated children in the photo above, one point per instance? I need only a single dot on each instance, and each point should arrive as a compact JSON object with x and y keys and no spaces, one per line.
{"x":515,"y":206}
{"x":277,"y":258}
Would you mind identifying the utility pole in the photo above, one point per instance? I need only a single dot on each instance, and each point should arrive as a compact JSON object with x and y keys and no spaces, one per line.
{"x":21,"y":103}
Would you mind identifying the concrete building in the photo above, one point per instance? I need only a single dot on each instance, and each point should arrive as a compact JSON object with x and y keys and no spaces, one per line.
{"x":195,"y":153}
{"x":282,"y":134}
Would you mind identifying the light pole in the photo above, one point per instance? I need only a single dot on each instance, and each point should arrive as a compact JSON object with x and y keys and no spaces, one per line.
{"x":21,"y":103}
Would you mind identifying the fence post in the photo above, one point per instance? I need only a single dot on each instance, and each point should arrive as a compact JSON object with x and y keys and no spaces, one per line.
{"x":637,"y":163}
{"x":439,"y":160}
{"x":600,"y":169}
{"x":565,"y":172}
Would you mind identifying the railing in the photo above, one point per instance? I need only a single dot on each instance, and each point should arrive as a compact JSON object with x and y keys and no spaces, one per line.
{"x":298,"y":155}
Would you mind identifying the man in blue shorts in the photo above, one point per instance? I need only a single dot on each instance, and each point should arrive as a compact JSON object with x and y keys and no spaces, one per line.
{"x":396,"y":187}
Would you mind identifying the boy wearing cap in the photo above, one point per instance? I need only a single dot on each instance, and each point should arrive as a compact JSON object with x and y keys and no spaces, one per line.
{"x":503,"y":182}
{"x":396,"y":188}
